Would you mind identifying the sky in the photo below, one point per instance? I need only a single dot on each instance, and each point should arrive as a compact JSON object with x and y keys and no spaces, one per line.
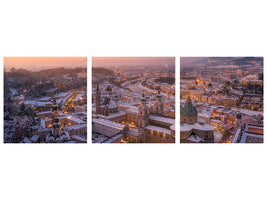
{"x":37,"y":63}
{"x":188,"y":60}
{"x":132,"y":61}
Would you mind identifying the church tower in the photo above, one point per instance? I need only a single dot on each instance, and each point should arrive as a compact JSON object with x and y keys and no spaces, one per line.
{"x":57,"y":128}
{"x":54,"y":110}
{"x":238,"y":121}
{"x":142,"y":117}
{"x":159,"y":104}
{"x":97,"y":100}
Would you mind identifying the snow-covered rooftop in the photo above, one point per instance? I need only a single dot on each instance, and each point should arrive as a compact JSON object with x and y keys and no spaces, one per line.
{"x":160,"y":129}
{"x":77,"y":126}
{"x":35,"y":138}
{"x":109,"y":123}
{"x":112,"y":115}
{"x":196,"y":126}
{"x":61,"y":94}
{"x":78,"y":97}
{"x":76,"y":137}
{"x":113,"y":138}
{"x":195,"y":138}
{"x":162,"y":119}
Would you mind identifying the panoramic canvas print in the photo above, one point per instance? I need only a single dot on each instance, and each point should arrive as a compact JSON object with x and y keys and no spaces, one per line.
{"x":133,"y":99}
{"x":45,"y":99}
{"x":221,"y":100}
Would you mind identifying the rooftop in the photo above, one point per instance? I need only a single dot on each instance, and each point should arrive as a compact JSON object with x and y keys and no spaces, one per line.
{"x":196,"y":126}
{"x":109,"y":123}
{"x":162,"y":119}
{"x":160,"y":129}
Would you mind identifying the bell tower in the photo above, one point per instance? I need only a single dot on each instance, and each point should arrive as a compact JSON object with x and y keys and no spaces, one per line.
{"x":54,"y":109}
{"x":142,"y":117}
{"x":238,"y":121}
{"x":57,"y":128}
{"x":159,"y":104}
{"x":97,"y":100}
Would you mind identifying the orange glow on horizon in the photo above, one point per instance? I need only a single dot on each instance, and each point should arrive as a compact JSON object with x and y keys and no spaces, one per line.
{"x":39,"y":62}
{"x":102,"y":61}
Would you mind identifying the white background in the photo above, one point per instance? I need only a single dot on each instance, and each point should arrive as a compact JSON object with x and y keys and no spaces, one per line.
{"x":132,"y":28}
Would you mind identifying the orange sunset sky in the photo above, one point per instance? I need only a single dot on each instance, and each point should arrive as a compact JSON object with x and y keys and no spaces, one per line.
{"x":32,"y":63}
{"x":130,"y":61}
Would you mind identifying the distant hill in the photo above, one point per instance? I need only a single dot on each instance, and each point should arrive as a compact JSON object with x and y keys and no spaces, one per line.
{"x":247,"y":60}
{"x":211,"y":61}
{"x":61,"y":71}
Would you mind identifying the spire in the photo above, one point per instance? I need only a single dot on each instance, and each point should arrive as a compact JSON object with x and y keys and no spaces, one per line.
{"x":188,"y":101}
{"x":159,"y":104}
{"x":97,"y":87}
{"x":97,"y":99}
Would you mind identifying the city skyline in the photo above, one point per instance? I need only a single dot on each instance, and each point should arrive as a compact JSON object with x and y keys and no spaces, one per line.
{"x":48,"y":106}
{"x":221,"y":97}
{"x":221,"y":100}
{"x":133,"y":104}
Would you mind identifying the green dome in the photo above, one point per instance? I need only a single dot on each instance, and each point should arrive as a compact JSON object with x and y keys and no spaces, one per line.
{"x":189,"y":109}
{"x":56,"y":125}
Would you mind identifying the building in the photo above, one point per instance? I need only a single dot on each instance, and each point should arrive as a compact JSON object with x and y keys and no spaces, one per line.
{"x":142,"y":122}
{"x":192,"y":128}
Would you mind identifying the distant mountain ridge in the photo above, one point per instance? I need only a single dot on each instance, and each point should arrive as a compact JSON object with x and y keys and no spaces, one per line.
{"x":211,"y":61}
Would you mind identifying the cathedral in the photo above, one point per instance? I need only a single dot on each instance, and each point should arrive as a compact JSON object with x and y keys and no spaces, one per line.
{"x":144,"y":122}
{"x":192,"y":128}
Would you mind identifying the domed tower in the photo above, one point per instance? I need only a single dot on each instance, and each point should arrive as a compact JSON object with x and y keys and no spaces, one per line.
{"x":142,"y":116}
{"x":57,"y":128}
{"x":54,"y":110}
{"x":97,"y":100}
{"x":159,"y":104}
{"x":188,"y":113}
